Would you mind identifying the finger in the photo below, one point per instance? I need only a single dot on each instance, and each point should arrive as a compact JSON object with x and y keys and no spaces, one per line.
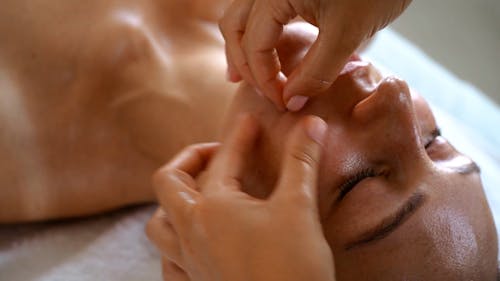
{"x":296,"y":40}
{"x":161,"y":233}
{"x":298,"y":178}
{"x":193,"y":159}
{"x":174,"y":184}
{"x":172,"y":272}
{"x":319,"y":68}
{"x":264,"y":29}
{"x":177,"y":194}
{"x":232,"y":72}
{"x":233,"y":25}
{"x":227,"y":166}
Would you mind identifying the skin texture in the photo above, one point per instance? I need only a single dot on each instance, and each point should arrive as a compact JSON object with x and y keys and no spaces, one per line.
{"x":378,"y":124}
{"x":89,"y":113}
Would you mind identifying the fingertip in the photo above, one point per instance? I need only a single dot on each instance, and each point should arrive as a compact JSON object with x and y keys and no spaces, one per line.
{"x":296,"y":103}
{"x":274,"y":91}
{"x":298,"y":179}
{"x":232,"y":75}
{"x":316,"y":128}
{"x":231,"y":160}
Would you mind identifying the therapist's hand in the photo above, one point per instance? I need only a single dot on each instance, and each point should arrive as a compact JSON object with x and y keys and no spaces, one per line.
{"x":217,"y":232}
{"x":252,"y":29}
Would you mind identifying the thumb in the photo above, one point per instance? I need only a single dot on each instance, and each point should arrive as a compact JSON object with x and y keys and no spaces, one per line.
{"x":318,"y":70}
{"x":298,"y":179}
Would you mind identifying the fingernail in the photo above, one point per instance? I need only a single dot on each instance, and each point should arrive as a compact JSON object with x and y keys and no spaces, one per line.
{"x":316,"y":129}
{"x":296,"y":103}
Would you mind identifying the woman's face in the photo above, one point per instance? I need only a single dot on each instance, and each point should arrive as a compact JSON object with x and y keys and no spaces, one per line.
{"x":396,"y":200}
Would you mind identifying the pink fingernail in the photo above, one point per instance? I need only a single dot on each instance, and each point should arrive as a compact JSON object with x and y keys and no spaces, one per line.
{"x":296,"y":103}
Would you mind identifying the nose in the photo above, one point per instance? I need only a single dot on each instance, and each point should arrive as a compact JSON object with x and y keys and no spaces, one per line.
{"x":356,"y":82}
{"x":389,"y":116}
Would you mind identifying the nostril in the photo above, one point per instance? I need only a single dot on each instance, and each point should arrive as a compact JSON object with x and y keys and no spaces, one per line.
{"x":391,"y":97}
{"x":390,"y":110}
{"x":396,"y":91}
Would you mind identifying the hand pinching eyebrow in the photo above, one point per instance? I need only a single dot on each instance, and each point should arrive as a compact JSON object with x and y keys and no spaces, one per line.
{"x":252,"y":29}
{"x":222,"y":232}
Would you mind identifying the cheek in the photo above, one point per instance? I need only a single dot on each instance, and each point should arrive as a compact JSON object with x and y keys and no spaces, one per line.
{"x":454,"y":239}
{"x":459,"y":226}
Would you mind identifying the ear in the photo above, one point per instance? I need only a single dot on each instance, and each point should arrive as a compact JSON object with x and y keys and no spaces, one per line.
{"x":294,"y":43}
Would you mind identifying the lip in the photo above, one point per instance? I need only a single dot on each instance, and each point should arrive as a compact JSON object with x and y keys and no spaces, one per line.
{"x":354,"y":57}
{"x":353,"y":66}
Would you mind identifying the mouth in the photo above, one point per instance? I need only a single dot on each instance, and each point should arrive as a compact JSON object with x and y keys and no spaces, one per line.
{"x":354,"y":57}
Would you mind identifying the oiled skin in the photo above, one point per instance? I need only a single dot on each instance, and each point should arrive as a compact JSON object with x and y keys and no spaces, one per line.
{"x":98,"y":94}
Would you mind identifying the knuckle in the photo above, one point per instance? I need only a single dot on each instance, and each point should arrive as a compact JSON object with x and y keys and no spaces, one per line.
{"x":309,"y":84}
{"x":317,"y":83}
{"x":305,"y":155}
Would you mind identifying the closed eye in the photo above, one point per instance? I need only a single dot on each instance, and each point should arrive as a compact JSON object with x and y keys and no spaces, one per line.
{"x":434,"y":134}
{"x":352,"y":181}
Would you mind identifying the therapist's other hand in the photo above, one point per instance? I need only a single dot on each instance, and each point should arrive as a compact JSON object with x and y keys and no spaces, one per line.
{"x":252,"y":29}
{"x":223,"y":233}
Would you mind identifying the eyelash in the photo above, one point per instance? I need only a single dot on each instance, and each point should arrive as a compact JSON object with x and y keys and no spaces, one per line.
{"x":354,"y":180}
{"x":436,"y":133}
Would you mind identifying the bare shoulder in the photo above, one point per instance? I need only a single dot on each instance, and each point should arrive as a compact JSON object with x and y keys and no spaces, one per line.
{"x":105,"y":96}
{"x":63,"y":149}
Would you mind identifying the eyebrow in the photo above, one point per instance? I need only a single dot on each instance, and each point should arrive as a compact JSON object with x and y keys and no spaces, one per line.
{"x":391,"y":223}
{"x":434,"y":134}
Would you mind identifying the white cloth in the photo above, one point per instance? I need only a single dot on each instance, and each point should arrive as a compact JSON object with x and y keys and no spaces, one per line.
{"x":114,"y":246}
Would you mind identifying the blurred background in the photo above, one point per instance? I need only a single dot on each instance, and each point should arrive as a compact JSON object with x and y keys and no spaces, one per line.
{"x":462,"y":35}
